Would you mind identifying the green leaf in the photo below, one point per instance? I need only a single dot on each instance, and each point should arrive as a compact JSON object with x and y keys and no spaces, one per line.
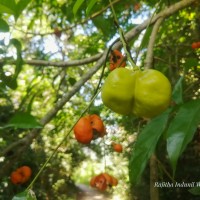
{"x":8,"y":80}
{"x":24,"y":121}
{"x":195,"y":190}
{"x":72,"y":81}
{"x":3,"y":26}
{"x":177,"y":94}
{"x":7,"y":6}
{"x":77,"y":5}
{"x":182,"y":129}
{"x":16,"y":43}
{"x":90,"y":6}
{"x":21,"y":5}
{"x":190,"y":63}
{"x":26,"y":195}
{"x":146,"y":144}
{"x":105,"y":25}
{"x":145,"y":39}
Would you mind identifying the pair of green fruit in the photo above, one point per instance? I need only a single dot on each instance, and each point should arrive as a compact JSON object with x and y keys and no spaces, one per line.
{"x":144,"y":93}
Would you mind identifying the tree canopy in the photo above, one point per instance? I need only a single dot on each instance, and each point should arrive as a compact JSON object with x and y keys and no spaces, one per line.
{"x":54,"y":59}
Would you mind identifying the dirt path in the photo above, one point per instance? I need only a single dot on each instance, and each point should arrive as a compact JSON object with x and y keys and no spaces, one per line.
{"x":88,"y":193}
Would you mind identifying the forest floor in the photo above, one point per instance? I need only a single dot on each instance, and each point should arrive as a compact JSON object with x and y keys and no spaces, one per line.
{"x":88,"y":193}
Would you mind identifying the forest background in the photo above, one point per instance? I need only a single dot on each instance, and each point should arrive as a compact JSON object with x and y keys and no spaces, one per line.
{"x":52,"y":55}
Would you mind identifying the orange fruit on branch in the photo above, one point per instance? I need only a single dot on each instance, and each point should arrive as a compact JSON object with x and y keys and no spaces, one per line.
{"x":103,"y":181}
{"x":21,"y":175}
{"x":88,"y":128}
{"x":117,"y":147}
{"x":116,"y":59}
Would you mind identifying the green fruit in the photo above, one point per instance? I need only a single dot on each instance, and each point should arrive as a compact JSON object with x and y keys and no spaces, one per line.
{"x":116,"y":93}
{"x":142,"y":93}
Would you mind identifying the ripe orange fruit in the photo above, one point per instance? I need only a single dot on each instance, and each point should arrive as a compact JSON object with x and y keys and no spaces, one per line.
{"x":136,"y":7}
{"x":102,"y":181}
{"x":117,"y":147}
{"x":83,"y":130}
{"x":107,"y":177}
{"x":25,"y":172}
{"x":21,"y":175}
{"x":116,"y":60}
{"x":194,"y":45}
{"x":114,"y":181}
{"x":97,"y":125}
{"x":15,"y":178}
{"x":88,"y":128}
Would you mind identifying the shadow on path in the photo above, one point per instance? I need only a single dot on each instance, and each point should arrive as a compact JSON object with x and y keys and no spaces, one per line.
{"x":87,"y":193}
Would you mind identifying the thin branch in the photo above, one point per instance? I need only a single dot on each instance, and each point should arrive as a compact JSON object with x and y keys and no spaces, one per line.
{"x":44,"y":63}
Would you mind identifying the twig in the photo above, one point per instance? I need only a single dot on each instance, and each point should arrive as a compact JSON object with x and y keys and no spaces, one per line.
{"x":122,"y":38}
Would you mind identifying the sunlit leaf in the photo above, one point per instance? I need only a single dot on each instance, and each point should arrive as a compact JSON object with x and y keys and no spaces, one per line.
{"x":26,"y":195}
{"x":7,"y":6}
{"x":90,"y":6}
{"x":145,"y":145}
{"x":77,"y":5}
{"x":182,"y":129}
{"x":21,"y":5}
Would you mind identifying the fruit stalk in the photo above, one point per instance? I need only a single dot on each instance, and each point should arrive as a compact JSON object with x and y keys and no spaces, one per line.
{"x":122,"y":38}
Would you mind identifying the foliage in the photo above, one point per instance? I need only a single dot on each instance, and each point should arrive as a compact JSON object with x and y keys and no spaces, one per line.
{"x":50,"y":55}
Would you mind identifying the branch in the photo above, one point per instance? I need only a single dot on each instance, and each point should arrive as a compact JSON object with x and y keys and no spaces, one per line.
{"x":129,"y":36}
{"x":149,"y":55}
{"x":56,"y":63}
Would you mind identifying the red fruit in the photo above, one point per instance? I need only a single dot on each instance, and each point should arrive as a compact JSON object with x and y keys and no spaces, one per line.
{"x":194,"y":45}
{"x":117,"y":147}
{"x":102,"y":181}
{"x":15,"y":178}
{"x":83,"y":130}
{"x":116,"y":60}
{"x":198,"y":44}
{"x":21,"y":175}
{"x":89,"y":128}
{"x":97,"y":125}
{"x":136,"y":7}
